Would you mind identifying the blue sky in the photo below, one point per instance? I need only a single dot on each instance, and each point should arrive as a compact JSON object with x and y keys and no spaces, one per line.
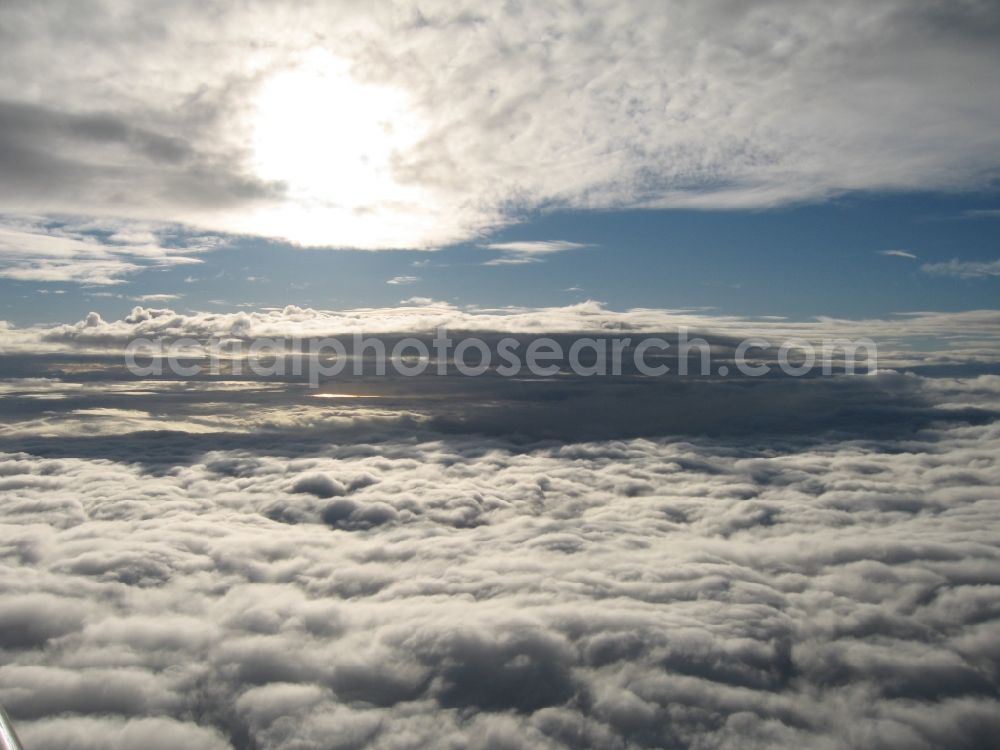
{"x":799,"y":262}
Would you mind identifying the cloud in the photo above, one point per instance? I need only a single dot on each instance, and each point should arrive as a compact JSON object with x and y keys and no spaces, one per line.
{"x":519,"y":253}
{"x":92,"y":253}
{"x":403,"y":280}
{"x":513,"y":260}
{"x":152,"y":422}
{"x":963,"y":269}
{"x":640,"y":106}
{"x":898,"y":254}
{"x":80,"y":733}
{"x":542,"y":247}
{"x":275,"y":586}
{"x":157,"y":297}
{"x":904,"y":339}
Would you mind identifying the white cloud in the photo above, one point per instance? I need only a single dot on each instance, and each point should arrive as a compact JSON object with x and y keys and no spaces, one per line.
{"x":904,"y":339}
{"x":35,"y":250}
{"x":403,"y":280}
{"x":519,"y":253}
{"x":512,"y":108}
{"x":513,"y":260}
{"x":272,"y":586}
{"x":157,"y":297}
{"x":539,"y":247}
{"x":963,"y":269}
{"x":898,"y":254}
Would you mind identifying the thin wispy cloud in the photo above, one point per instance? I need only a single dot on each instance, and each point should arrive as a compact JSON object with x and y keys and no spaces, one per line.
{"x":520,"y":253}
{"x":512,"y":260}
{"x":403,"y":280}
{"x":538,"y":247}
{"x":963,"y":269}
{"x":157,"y":297}
{"x":898,"y":254}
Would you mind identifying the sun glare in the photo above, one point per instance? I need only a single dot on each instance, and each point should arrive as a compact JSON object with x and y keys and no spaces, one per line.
{"x":332,"y":140}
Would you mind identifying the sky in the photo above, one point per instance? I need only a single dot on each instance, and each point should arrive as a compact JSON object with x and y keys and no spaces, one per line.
{"x":856,"y":257}
{"x":774,"y":159}
{"x":254,"y":558}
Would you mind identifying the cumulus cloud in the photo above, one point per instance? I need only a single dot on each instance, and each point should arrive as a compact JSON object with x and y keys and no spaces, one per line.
{"x":483,"y":562}
{"x":902,"y":339}
{"x":506,"y":110}
{"x":442,"y":583}
{"x":403,"y":280}
{"x":94,"y":733}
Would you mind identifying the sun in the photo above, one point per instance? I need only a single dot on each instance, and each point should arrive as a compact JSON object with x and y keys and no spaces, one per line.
{"x":332,"y":142}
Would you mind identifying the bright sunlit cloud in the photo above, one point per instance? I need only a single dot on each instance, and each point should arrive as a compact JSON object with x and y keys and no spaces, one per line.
{"x":333,"y":142}
{"x":329,"y":137}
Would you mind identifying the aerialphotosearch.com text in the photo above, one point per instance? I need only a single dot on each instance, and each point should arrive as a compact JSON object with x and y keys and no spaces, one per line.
{"x":320,"y":359}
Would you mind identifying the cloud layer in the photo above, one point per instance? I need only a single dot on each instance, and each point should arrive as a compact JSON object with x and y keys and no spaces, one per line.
{"x":315,"y":573}
{"x":154,"y":113}
{"x":967,"y":338}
